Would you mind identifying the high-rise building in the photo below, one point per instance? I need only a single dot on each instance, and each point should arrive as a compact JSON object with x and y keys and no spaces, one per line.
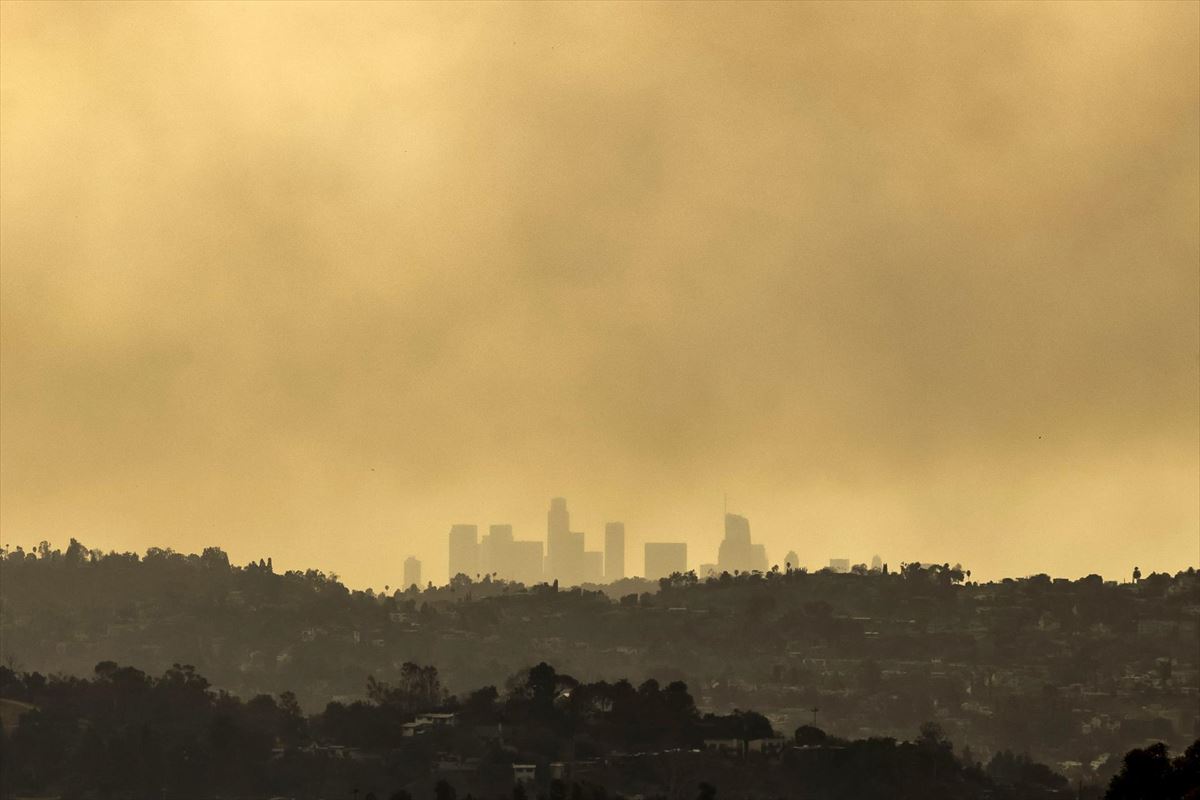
{"x":495,"y":551}
{"x":558,"y":519}
{"x":758,"y":558}
{"x":876,"y":563}
{"x":839,"y":564}
{"x":464,"y":550}
{"x":564,"y":549}
{"x":565,"y":560}
{"x":412,"y":573}
{"x":664,"y":559}
{"x":508,"y":558}
{"x":737,"y":553}
{"x":593,"y":567}
{"x":737,"y":530}
{"x":571,"y":562}
{"x":614,"y":551}
{"x":526,"y":562}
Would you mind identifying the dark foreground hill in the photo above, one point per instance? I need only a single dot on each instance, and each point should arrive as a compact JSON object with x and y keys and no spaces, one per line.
{"x":1074,"y":672}
{"x":123,"y":734}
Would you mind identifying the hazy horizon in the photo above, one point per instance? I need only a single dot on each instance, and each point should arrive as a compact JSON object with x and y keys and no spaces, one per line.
{"x":317,"y":281}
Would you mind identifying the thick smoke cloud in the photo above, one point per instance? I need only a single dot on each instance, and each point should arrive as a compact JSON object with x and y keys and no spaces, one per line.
{"x":316,"y":281}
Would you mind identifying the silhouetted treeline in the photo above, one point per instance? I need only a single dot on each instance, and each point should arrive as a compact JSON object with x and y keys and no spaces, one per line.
{"x":1076,"y":672}
{"x":124,"y":734}
{"x":1151,"y":774}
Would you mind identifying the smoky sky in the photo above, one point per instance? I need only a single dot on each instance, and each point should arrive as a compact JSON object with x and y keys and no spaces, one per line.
{"x":316,"y":281}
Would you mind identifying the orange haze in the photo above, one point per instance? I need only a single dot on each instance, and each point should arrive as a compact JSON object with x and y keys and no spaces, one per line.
{"x":315,"y":281}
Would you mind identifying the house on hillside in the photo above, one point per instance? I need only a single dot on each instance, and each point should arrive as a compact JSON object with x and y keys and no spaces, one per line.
{"x":438,"y":720}
{"x":729,"y":747}
{"x":772,"y":746}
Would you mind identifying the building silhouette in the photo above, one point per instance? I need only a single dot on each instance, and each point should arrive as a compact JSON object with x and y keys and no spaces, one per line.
{"x":737,"y":553}
{"x":564,"y":549}
{"x":566,"y":559}
{"x":876,"y":563}
{"x":791,"y":561}
{"x":758,"y":557}
{"x":495,"y":551}
{"x":527,"y":561}
{"x":510,"y":559}
{"x":664,"y":559}
{"x":614,"y":551}
{"x":593,"y":567}
{"x":839,"y":564}
{"x":558,"y":519}
{"x":412,"y":572}
{"x":464,"y":550}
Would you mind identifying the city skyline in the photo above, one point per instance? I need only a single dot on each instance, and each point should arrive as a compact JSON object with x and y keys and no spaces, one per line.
{"x":499,"y":554}
{"x":562,"y":557}
{"x":405,"y":560}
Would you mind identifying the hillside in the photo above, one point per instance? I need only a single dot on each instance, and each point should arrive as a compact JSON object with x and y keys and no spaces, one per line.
{"x":1034,"y":664}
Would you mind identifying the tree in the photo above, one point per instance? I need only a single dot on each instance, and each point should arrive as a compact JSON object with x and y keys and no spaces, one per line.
{"x":419,"y":689}
{"x":1022,"y":773}
{"x":809,"y":735}
{"x":1149,"y":774}
{"x":932,"y":735}
{"x":480,"y":705}
{"x":214,"y":558}
{"x":75,"y":553}
{"x":291,"y":719}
